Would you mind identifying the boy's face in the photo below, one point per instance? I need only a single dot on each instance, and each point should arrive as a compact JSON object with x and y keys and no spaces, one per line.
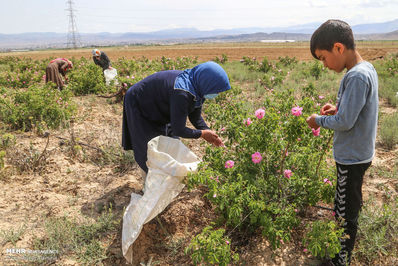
{"x":333,"y":59}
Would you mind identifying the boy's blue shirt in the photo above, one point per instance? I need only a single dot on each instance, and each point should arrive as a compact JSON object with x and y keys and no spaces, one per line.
{"x":355,"y":124}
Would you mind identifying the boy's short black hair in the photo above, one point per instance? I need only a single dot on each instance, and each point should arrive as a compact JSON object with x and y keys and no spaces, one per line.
{"x":329,"y":33}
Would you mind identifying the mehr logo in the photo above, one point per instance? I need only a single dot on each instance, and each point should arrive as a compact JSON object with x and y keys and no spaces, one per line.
{"x":29,"y":251}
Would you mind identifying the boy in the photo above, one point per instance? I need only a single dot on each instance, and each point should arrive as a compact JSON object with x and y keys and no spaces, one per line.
{"x":353,"y":119}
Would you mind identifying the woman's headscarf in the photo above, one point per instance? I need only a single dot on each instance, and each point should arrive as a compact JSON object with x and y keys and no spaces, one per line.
{"x":206,"y":78}
{"x":70,"y":65}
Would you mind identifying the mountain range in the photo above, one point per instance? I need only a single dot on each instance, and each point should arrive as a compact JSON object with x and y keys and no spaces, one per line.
{"x":43,"y":40}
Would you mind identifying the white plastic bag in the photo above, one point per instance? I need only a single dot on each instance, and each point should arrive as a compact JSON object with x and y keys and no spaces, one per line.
{"x":169,"y":161}
{"x":110,"y":74}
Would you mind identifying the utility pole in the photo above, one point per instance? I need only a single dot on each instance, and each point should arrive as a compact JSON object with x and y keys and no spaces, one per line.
{"x":73,"y":38}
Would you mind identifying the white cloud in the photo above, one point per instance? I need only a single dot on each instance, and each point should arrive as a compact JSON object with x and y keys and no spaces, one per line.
{"x":150,"y":15}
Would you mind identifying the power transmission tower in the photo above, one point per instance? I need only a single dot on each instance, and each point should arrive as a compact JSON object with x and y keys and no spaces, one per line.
{"x":73,"y":38}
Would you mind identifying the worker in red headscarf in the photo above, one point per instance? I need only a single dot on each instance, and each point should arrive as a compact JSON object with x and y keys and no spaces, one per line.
{"x":55,"y":69}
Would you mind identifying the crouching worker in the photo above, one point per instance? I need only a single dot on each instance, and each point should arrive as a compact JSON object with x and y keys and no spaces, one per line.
{"x":55,"y":69}
{"x":101,"y":59}
{"x":353,"y":120}
{"x":161,"y":103}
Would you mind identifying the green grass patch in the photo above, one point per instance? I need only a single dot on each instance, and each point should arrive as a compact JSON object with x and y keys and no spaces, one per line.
{"x":377,"y":233}
{"x":12,"y":235}
{"x":81,"y":240}
{"x":388,"y":130}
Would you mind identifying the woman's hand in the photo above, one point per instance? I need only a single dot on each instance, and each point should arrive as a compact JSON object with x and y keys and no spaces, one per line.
{"x":328,"y":109}
{"x":211,"y":137}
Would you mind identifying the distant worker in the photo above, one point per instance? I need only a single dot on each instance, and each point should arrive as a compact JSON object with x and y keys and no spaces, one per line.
{"x":101,"y":59}
{"x":55,"y":69}
{"x":161,"y":103}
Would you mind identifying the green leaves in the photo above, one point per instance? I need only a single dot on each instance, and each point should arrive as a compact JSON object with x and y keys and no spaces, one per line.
{"x":211,"y":247}
{"x":322,"y":239}
{"x":38,"y":107}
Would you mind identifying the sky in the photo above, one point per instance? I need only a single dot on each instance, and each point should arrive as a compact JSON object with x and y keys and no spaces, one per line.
{"x":115,"y":16}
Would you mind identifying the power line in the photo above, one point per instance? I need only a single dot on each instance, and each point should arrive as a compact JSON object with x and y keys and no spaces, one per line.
{"x":73,"y":38}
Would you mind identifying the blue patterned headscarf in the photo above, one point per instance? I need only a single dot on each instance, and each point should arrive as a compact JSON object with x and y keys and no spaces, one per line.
{"x":206,"y":78}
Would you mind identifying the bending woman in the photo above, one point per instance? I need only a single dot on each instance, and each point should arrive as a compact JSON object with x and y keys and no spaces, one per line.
{"x":55,"y":69}
{"x":161,"y":103}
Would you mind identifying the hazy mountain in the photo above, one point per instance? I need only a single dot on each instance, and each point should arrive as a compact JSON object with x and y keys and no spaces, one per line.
{"x":377,"y":31}
{"x":376,"y":27}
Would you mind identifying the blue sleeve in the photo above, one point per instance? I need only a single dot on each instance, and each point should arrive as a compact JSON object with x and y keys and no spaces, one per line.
{"x":352,"y":101}
{"x":179,"y":110}
{"x":197,"y":120}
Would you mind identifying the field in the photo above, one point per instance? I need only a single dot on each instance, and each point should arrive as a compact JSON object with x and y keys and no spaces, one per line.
{"x":66,"y":181}
{"x":204,"y":52}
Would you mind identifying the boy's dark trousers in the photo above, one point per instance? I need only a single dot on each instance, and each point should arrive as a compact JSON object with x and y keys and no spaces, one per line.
{"x":347,"y":203}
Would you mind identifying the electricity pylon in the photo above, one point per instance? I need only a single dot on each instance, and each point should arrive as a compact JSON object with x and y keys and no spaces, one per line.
{"x":73,"y":38}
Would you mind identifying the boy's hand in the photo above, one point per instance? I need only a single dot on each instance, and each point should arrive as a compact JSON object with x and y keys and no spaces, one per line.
{"x":311,"y":121}
{"x":328,"y":109}
{"x":212,"y":137}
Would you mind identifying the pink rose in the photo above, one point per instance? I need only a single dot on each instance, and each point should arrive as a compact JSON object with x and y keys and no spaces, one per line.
{"x":287,"y":173}
{"x":229,"y":164}
{"x":248,"y":121}
{"x":256,"y":157}
{"x":297,"y":111}
{"x":316,"y":132}
{"x":260,"y":113}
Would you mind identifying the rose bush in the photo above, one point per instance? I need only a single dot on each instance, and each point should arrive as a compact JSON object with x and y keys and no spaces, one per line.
{"x":278,"y":164}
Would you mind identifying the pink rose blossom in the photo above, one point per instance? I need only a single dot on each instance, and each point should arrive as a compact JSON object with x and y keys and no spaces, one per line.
{"x":305,"y":250}
{"x":333,"y":213}
{"x":216,"y":179}
{"x":223,"y":129}
{"x":298,"y":139}
{"x":297,"y":111}
{"x":260,"y":113}
{"x":256,"y":157}
{"x":316,"y":132}
{"x":321,"y":97}
{"x":327,"y":181}
{"x":248,"y":121}
{"x":227,"y":242}
{"x":287,"y":173}
{"x":229,"y":164}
